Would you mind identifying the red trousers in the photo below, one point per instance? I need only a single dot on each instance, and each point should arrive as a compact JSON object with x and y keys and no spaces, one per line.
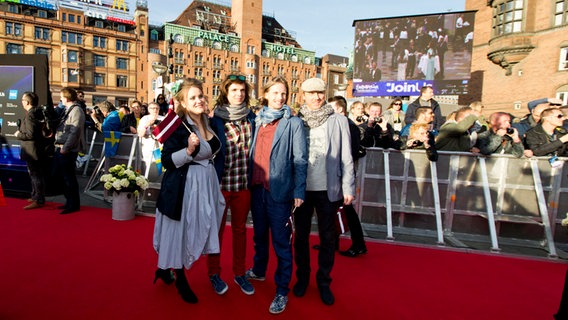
{"x":239,"y":204}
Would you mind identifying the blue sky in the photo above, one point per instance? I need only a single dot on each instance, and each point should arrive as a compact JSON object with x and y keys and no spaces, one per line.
{"x":324,"y":26}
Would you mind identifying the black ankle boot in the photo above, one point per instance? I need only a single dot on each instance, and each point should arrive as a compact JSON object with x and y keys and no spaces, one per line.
{"x":183,"y":287}
{"x":164,"y":274}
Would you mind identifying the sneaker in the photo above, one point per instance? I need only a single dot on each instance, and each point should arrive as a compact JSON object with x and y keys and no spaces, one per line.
{"x":250,"y":275}
{"x":278,"y":304}
{"x":245,"y":285}
{"x":218,"y":284}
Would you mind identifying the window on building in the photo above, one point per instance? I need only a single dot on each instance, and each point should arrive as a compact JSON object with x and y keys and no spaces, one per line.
{"x":216,"y":75}
{"x":99,"y":24}
{"x":563,"y":59}
{"x":71,"y":18}
{"x":154,"y":35}
{"x":251,"y":78}
{"x":12,"y":48}
{"x":234,"y":48}
{"x":99,"y":79}
{"x":122,"y":81}
{"x":198,"y":42}
{"x":178,"y":57}
{"x":198,"y":72}
{"x":72,"y":75}
{"x":178,"y":38}
{"x":71,"y":37}
{"x":99,"y":61}
{"x":292,"y":98}
{"x":307,"y":60}
{"x":336,"y":79}
{"x":280,"y":55}
{"x":217,"y":45}
{"x":122,"y":63}
{"x":217,"y":62}
{"x":216,"y":91}
{"x":251,"y":64}
{"x":294,"y":58}
{"x":14,"y":29}
{"x":13,"y":8}
{"x":155,"y":50}
{"x":42,"y":14}
{"x":78,"y":19}
{"x":121,"y":45}
{"x":250,"y":49}
{"x":42,"y":33}
{"x":178,"y":70}
{"x":40,"y":50}
{"x":72,"y":56}
{"x":508,"y":17}
{"x":99,"y":42}
{"x":561,"y":13}
{"x":64,"y":17}
{"x":121,"y":28}
{"x":266,"y":53}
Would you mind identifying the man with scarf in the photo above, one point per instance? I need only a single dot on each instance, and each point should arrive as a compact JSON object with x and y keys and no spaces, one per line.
{"x":279,"y":161}
{"x":330,"y":182}
{"x":233,"y":123}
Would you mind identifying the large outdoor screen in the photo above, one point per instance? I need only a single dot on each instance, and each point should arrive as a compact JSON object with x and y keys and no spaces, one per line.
{"x":399,"y":55}
{"x":15,"y":80}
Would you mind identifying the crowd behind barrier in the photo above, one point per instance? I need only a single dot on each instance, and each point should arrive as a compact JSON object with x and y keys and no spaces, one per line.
{"x":464,"y":197}
{"x":461,"y":198}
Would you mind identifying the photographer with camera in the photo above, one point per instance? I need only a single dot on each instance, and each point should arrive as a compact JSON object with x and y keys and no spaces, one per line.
{"x":501,"y":137}
{"x":33,"y":147}
{"x":111,"y":119}
{"x":145,"y":126}
{"x":129,"y":123}
{"x":377,"y":131}
{"x":420,"y":137}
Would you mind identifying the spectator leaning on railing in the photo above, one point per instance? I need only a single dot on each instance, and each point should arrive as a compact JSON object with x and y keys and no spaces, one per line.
{"x":501,"y":137}
{"x":548,"y":138}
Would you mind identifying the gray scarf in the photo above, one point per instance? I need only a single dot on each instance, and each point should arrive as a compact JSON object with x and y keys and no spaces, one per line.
{"x":315,"y":118}
{"x":232,"y":113}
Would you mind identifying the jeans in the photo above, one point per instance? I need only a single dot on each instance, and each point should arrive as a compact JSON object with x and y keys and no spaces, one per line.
{"x":269,"y":215}
{"x":326,"y":213}
{"x":65,"y":167}
{"x":239,"y":203}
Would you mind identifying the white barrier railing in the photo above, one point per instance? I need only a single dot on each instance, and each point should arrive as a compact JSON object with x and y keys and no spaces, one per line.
{"x":492,"y":199}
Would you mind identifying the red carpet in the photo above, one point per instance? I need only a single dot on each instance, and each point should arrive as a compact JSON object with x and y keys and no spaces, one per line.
{"x":87,"y":266}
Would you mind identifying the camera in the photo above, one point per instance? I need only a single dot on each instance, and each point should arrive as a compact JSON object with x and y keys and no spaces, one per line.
{"x":510,"y":130}
{"x":378,"y":120}
{"x":156,"y":122}
{"x":417,"y":143}
{"x":362,"y":118}
{"x":97,"y":111}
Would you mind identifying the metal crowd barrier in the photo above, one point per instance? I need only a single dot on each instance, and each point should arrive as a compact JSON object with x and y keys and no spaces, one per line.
{"x":464,"y":198}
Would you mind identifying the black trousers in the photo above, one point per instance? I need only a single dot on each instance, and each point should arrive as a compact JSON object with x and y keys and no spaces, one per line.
{"x":357,"y":238}
{"x":65,"y":167}
{"x":326,"y":212}
{"x":37,"y":177}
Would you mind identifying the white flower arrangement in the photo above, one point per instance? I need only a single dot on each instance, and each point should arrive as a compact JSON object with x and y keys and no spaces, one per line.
{"x":565,"y":221}
{"x":123,"y":179}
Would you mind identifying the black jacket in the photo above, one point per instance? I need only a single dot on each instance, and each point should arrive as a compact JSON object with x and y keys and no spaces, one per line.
{"x":33,"y":142}
{"x":542,"y":144}
{"x":170,"y":199}
{"x":410,"y":115}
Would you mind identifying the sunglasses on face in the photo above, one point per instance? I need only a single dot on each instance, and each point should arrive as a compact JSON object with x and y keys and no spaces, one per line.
{"x":397,"y":104}
{"x":236,"y":77}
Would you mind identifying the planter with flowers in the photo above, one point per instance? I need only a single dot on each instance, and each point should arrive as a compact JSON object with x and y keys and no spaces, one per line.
{"x":125,"y":184}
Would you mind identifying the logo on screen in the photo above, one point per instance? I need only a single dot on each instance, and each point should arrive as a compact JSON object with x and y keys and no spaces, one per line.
{"x":13,"y":94}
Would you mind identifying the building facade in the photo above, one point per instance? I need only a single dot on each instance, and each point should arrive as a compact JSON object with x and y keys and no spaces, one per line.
{"x":91,"y":45}
{"x":100,"y":47}
{"x":520,"y":53}
{"x":211,"y":40}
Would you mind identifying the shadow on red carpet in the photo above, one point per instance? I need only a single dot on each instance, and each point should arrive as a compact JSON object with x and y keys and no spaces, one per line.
{"x":87,"y":266}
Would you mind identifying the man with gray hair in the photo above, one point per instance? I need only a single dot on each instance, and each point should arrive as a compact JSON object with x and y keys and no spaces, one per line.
{"x":330,"y":183}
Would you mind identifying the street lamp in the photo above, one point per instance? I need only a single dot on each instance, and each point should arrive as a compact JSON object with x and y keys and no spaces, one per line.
{"x":160,"y":69}
{"x":170,"y":57}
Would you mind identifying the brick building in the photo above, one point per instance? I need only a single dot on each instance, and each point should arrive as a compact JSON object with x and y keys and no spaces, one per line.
{"x":520,"y":53}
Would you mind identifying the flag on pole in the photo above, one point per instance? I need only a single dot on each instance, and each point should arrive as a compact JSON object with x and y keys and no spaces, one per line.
{"x":165,"y":128}
{"x":112,"y":138}
{"x":157,"y":154}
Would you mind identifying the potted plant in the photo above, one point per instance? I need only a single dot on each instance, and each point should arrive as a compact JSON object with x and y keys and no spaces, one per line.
{"x":125,"y":184}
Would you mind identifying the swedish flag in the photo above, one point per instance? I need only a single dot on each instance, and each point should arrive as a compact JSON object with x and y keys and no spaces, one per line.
{"x":157,"y":154}
{"x":112,"y":138}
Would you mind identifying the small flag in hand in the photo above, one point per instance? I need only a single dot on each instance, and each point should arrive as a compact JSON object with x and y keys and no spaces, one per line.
{"x":157,"y":154}
{"x":112,"y":138}
{"x":167,"y":126}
